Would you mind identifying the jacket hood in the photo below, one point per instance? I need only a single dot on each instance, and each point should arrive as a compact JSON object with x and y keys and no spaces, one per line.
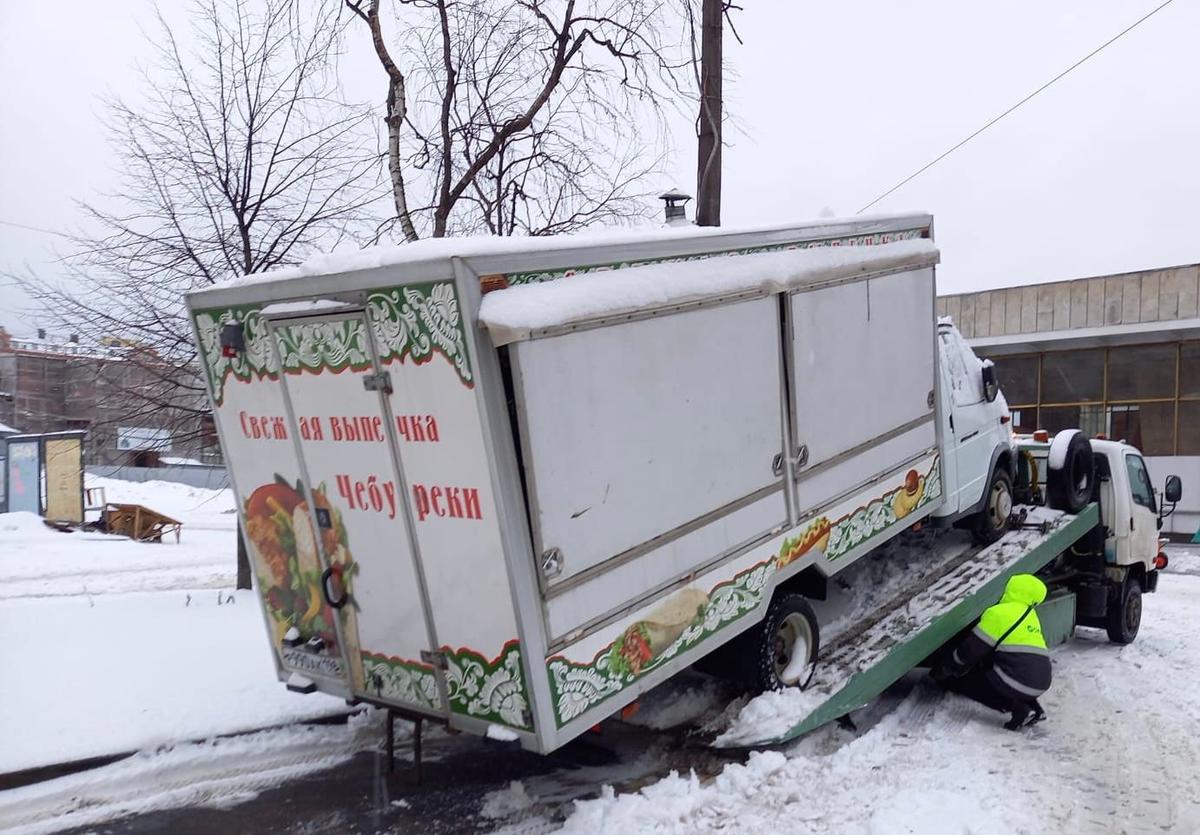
{"x":1024,"y":589}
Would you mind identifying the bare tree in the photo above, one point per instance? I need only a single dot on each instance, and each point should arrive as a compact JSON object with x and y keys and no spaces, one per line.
{"x":531,"y":116}
{"x":240,"y":156}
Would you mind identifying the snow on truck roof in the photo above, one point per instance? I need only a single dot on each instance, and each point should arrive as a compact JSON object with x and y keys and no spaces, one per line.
{"x":471,"y":246}
{"x":515,"y":313}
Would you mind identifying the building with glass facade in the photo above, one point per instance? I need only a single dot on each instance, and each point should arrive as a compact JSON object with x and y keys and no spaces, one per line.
{"x":1115,"y":355}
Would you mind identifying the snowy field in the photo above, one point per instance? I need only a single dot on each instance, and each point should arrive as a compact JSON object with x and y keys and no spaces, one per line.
{"x":112,"y":646}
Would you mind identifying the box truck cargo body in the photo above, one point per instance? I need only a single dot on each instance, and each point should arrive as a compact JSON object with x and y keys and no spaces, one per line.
{"x":515,"y":483}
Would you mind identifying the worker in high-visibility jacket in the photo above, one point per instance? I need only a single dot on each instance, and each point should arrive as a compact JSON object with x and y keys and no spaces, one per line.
{"x":1003,"y":662}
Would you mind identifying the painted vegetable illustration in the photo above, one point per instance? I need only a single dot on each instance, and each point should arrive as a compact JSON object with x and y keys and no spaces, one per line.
{"x":279,"y":528}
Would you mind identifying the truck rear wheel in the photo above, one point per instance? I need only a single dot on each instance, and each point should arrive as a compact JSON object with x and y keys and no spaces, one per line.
{"x":784,"y":646}
{"x":1125,"y":614}
{"x":1071,"y":471}
{"x":992,"y":521}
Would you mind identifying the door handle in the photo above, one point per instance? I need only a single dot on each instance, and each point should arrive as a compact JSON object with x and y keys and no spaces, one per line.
{"x":327,"y":575}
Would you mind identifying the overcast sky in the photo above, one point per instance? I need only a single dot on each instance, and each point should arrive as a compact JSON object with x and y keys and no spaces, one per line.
{"x":833,"y":102}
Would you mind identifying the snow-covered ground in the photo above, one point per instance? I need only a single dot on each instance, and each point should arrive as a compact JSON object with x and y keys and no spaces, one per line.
{"x":1119,"y":753}
{"x":111,"y":645}
{"x":38,"y":562}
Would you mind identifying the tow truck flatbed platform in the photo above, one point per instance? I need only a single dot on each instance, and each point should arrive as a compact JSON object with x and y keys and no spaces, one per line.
{"x":860,"y":666}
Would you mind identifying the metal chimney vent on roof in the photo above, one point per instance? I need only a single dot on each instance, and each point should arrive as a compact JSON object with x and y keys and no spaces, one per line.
{"x":674,"y":201}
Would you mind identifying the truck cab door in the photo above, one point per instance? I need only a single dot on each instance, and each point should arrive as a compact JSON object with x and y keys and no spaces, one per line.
{"x":969,"y":417}
{"x":1143,"y":513}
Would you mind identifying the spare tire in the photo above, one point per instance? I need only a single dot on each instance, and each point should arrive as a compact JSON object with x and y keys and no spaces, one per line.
{"x":1071,"y":471}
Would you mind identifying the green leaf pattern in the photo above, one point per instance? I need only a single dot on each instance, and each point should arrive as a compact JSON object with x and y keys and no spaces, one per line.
{"x":579,"y":687}
{"x":418,"y":320}
{"x":494,"y":691}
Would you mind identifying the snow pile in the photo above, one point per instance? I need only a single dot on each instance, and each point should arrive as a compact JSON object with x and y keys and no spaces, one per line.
{"x":514,"y":313}
{"x":506,"y":802}
{"x":113,"y":673}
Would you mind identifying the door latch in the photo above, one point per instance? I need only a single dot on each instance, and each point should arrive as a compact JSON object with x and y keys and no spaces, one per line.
{"x":798,"y":463}
{"x":552,"y":563}
{"x":434,"y":658}
{"x":378,"y":381}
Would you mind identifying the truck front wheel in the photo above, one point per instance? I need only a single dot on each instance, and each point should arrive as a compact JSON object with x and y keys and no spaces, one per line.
{"x":992,"y":520}
{"x":1125,"y":615}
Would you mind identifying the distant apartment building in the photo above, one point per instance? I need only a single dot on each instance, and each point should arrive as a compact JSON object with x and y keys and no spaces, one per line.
{"x":119,"y":394}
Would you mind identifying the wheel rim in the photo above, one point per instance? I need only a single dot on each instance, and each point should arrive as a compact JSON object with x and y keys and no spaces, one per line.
{"x":793,"y":635}
{"x":1133,"y":613}
{"x":999,"y":505}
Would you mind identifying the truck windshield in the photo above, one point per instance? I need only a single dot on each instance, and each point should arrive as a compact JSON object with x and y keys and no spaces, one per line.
{"x":1139,"y":482}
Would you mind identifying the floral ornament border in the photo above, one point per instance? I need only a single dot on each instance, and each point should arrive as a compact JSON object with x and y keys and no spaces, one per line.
{"x":865,"y":522}
{"x":493,"y":691}
{"x":576,"y":688}
{"x":875,"y":239}
{"x":418,"y":320}
{"x":490,"y":690}
{"x":257,"y":360}
{"x":408,"y":321}
{"x":400,"y":680}
{"x":327,"y":345}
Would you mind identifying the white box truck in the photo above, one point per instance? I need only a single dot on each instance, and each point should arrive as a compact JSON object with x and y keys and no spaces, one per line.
{"x":511,"y":484}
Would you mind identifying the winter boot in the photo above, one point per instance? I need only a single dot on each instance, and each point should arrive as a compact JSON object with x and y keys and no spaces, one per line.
{"x":1019,"y":715}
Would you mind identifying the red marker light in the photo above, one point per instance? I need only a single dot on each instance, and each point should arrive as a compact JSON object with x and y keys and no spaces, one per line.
{"x":1161,"y":561}
{"x":1041,"y":436}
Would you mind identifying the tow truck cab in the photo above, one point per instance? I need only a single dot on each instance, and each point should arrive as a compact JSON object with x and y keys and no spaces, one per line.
{"x":1110,"y":569}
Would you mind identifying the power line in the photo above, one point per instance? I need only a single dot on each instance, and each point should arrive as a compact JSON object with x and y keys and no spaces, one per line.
{"x":4,"y":222}
{"x":1062,"y":74}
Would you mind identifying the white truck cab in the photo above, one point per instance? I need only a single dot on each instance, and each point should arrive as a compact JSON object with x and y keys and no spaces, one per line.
{"x":979,"y":449}
{"x":1111,"y":568}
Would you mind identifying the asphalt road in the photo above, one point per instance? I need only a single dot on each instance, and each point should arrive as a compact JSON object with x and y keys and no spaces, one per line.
{"x":459,"y":774}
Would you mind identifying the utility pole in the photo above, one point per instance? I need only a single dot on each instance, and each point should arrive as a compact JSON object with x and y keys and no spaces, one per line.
{"x":708,"y":162}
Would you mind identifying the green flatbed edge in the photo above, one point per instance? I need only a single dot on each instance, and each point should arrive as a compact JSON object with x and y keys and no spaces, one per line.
{"x":865,"y":686}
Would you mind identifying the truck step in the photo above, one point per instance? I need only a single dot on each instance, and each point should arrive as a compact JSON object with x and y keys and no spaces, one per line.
{"x":862,"y":664}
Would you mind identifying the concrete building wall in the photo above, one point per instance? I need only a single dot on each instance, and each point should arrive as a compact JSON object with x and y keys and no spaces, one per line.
{"x":1135,"y":298}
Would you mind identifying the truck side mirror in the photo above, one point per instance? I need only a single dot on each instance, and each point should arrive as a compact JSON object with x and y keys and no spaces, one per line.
{"x":990,"y":386}
{"x":1174,"y":489}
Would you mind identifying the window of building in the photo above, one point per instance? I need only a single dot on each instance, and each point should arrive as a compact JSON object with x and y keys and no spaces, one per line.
{"x":1148,"y":395}
{"x":1073,"y":376}
{"x":1189,"y":428}
{"x":1018,"y":378}
{"x":1142,"y":372}
{"x":1025,"y":420}
{"x":1189,"y":369}
{"x":1088,"y":418}
{"x":1139,"y":482}
{"x":1148,"y":426}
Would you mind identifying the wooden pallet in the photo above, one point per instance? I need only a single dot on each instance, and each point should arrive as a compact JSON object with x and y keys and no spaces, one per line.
{"x":138,"y":522}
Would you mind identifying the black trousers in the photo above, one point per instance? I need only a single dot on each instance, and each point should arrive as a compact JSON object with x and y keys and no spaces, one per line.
{"x":982,"y":685}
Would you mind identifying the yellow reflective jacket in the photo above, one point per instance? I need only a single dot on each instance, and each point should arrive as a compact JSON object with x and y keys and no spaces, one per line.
{"x":1008,"y":637}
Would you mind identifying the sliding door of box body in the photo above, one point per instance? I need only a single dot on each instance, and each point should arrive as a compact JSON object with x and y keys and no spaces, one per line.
{"x":649,"y":449}
{"x":863,"y":382}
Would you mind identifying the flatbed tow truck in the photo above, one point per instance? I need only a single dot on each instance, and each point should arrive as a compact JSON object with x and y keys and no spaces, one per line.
{"x":1097,"y":561}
